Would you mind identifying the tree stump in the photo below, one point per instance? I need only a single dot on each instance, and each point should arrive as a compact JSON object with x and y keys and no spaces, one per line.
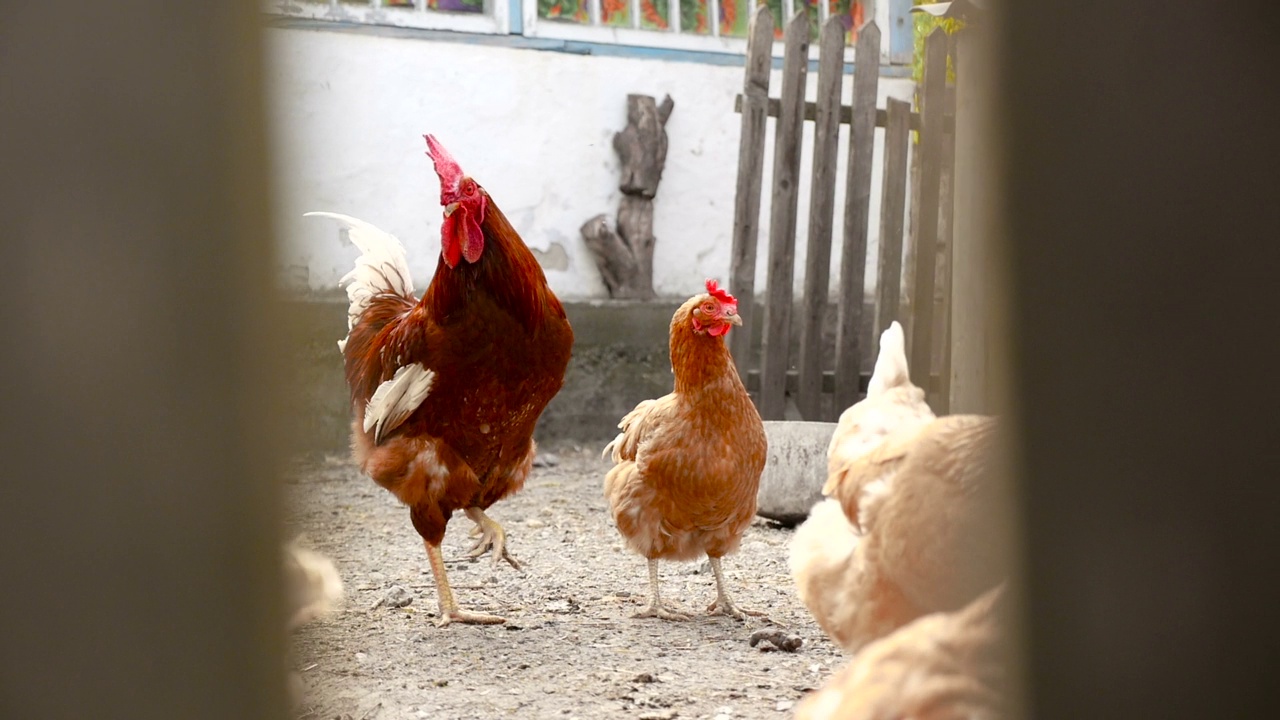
{"x":625,"y":256}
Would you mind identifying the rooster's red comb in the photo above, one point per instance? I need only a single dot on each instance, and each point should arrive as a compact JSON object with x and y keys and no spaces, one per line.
{"x":447,"y":169}
{"x":719,"y":293}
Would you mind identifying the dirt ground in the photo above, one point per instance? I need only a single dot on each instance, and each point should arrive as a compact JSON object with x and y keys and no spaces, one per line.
{"x":569,"y":648}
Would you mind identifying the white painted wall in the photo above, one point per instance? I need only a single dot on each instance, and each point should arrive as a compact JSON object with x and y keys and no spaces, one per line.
{"x":348,"y":112}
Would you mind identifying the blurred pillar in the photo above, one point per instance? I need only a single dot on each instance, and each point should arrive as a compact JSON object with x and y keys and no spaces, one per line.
{"x":1142,"y":217}
{"x":138,"y":543}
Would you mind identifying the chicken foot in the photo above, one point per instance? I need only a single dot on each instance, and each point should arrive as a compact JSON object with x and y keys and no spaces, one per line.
{"x":722,"y":605}
{"x":491,"y":536}
{"x":656,"y":608}
{"x":449,"y":610}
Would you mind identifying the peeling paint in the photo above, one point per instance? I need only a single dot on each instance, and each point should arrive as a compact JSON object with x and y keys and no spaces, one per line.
{"x":555,"y":257}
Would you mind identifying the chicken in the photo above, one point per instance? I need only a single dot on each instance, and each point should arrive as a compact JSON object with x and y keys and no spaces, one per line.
{"x":892,"y":402}
{"x":944,"y":666}
{"x":866,"y":563}
{"x":312,"y":585}
{"x":446,"y":389}
{"x":905,"y":530}
{"x":687,"y":465}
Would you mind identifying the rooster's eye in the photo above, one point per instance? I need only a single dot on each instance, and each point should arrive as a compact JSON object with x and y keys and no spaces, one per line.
{"x":469,"y":188}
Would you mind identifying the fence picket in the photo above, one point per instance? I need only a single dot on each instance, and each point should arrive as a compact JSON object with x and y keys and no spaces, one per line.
{"x":782,"y":221}
{"x":746,"y":204}
{"x":857,"y":215}
{"x":826,"y":142}
{"x":933,"y":106}
{"x":892,"y":207}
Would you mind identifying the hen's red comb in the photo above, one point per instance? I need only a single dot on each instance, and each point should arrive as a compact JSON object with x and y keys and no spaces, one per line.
{"x":720,"y":293}
{"x":447,"y":169}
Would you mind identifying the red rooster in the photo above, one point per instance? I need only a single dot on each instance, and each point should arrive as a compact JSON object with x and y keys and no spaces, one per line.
{"x":688,"y":464}
{"x":446,"y":390}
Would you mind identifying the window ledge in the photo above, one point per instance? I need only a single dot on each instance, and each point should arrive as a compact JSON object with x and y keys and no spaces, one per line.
{"x":574,"y":47}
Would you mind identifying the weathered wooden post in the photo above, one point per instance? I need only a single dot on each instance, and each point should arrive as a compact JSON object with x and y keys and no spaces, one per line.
{"x":625,"y":257}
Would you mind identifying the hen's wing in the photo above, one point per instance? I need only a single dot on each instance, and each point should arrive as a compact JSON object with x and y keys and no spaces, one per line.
{"x":645,"y":421}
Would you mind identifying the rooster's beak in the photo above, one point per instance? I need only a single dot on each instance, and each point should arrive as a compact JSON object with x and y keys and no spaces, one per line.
{"x":448,"y":209}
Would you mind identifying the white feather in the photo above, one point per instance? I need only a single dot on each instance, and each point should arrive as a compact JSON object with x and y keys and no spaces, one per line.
{"x":396,"y":399}
{"x":381,"y":268}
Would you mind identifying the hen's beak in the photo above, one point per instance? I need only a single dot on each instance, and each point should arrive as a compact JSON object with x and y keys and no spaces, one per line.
{"x":733,"y":319}
{"x":448,"y":209}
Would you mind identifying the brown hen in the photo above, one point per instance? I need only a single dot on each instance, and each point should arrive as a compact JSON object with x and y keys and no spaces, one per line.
{"x":688,"y":464}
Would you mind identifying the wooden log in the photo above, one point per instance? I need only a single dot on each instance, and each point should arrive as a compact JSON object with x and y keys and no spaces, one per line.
{"x":782,"y":220}
{"x":625,"y":257}
{"x":892,"y":207}
{"x":746,"y":201}
{"x":930,"y":148}
{"x":642,"y":145}
{"x":822,"y":200}
{"x":857,"y":217}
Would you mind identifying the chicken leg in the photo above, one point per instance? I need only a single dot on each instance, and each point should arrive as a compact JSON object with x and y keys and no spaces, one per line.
{"x":656,"y":608}
{"x":722,"y":604}
{"x":449,"y":610}
{"x":491,"y":535}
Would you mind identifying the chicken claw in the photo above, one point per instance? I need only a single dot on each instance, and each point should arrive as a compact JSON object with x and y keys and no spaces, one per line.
{"x":449,"y":611}
{"x":492,"y":536}
{"x":722,"y":605}
{"x":656,"y":608}
{"x":662,"y":612}
{"x":456,"y":615}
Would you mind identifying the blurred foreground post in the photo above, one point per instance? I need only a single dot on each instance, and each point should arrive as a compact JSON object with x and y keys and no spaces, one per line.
{"x":1142,"y":222}
{"x":139,"y":556}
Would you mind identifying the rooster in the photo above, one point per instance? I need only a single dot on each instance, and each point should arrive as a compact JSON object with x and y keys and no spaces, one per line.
{"x":446,"y":389}
{"x":687,"y":465}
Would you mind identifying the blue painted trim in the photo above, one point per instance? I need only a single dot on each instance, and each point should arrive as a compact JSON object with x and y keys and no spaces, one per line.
{"x":572,"y":47}
{"x":901,"y":32}
{"x":515,"y":15}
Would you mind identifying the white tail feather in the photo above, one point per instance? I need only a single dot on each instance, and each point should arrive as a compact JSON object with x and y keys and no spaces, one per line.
{"x":381,"y":268}
{"x":396,"y":399}
{"x":891,"y":364}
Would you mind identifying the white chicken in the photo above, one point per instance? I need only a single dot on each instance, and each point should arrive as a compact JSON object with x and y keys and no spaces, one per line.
{"x":903,"y":533}
{"x":943,"y":666}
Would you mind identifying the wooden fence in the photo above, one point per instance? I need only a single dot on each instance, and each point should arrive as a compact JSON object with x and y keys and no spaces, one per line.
{"x":823,"y":378}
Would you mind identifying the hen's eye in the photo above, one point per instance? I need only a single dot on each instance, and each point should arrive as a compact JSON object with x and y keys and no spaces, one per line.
{"x":708,"y":308}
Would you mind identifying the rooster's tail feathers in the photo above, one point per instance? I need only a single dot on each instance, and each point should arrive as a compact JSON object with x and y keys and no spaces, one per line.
{"x":891,"y":364}
{"x":381,"y":268}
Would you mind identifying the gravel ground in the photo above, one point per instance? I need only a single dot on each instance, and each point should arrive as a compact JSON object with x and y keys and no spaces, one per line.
{"x":570,"y":648}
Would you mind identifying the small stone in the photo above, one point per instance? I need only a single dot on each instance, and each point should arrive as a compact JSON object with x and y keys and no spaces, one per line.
{"x":377,"y":578}
{"x":561,"y":606}
{"x":785,"y":705}
{"x":667,"y":714}
{"x":534,"y":523}
{"x":397,"y":597}
{"x":644,"y":678}
{"x":362,"y":657}
{"x":724,"y":710}
{"x":545,"y":460}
